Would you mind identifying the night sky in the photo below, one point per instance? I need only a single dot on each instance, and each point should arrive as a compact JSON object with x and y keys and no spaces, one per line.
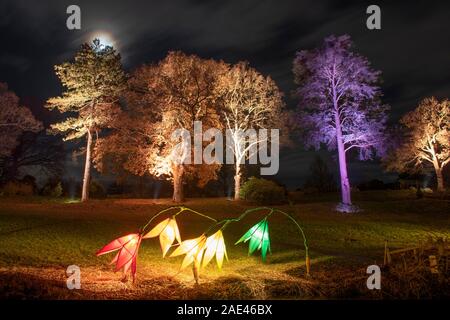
{"x":412,"y":49}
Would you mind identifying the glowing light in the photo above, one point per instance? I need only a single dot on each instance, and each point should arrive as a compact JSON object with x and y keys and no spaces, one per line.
{"x":163,"y":167}
{"x":193,"y":249}
{"x":105,"y":37}
{"x":259,"y":238}
{"x":198,"y":251}
{"x":128,"y":247}
{"x":215,"y":245}
{"x":167,"y":231}
{"x":72,"y":201}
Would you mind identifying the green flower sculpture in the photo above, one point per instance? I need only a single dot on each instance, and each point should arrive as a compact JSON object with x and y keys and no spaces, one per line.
{"x":259,"y":238}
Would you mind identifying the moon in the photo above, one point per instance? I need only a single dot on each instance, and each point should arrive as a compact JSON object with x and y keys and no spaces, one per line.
{"x":105,"y":38}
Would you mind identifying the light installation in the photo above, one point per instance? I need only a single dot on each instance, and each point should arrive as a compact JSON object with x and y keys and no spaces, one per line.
{"x":259,"y":238}
{"x":199,"y":251}
{"x":126,"y":258}
{"x":167,"y":231}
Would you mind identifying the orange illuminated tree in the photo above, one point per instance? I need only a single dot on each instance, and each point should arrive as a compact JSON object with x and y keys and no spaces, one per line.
{"x":162,"y":98}
{"x":427,"y":139}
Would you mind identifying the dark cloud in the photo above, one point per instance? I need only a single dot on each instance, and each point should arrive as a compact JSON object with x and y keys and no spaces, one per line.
{"x":16,"y":63}
{"x":412,"y":49}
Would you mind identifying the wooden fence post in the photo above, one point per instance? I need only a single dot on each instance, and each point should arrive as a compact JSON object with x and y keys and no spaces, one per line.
{"x":387,"y":255}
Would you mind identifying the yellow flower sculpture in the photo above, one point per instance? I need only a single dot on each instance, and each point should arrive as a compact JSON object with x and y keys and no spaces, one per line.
{"x":202,"y":250}
{"x":215,"y":245}
{"x":193,"y":249}
{"x":167,"y":231}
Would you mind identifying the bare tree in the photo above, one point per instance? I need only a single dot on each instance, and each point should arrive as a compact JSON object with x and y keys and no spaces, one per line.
{"x":14,"y":120}
{"x":251,"y":101}
{"x":427,"y":139}
{"x":162,"y":98}
{"x":34,"y":152}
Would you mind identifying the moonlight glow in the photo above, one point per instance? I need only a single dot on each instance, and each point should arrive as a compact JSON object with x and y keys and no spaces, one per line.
{"x":105,"y":38}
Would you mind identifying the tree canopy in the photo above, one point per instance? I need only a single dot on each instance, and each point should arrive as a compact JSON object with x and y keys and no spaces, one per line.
{"x":339,"y":103}
{"x":426,"y":139}
{"x":92,"y":86}
{"x":14,"y":120}
{"x":92,"y":83}
{"x":160,"y":99}
{"x":250,"y":101}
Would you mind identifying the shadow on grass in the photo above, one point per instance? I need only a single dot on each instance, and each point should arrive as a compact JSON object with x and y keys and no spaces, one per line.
{"x":23,"y":285}
{"x":333,"y":278}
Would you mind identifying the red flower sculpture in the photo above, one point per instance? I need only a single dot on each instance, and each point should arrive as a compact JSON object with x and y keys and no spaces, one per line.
{"x":128,"y":247}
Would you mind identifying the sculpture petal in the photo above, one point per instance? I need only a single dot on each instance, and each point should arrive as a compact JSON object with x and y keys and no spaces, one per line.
{"x":157,"y":229}
{"x":116,"y":244}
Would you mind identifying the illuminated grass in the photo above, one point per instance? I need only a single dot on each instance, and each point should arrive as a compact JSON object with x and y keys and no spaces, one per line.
{"x":54,"y":235}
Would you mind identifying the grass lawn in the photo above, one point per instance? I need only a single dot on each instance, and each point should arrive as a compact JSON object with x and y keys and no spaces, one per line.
{"x":40,"y":238}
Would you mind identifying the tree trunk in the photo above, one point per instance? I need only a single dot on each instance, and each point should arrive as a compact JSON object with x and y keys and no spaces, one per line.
{"x":178,"y":172}
{"x":345,"y":184}
{"x":440,"y":179}
{"x":237,"y":182}
{"x":87,"y":168}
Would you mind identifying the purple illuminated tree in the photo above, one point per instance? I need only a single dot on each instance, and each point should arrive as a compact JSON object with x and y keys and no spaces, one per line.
{"x":339,"y":104}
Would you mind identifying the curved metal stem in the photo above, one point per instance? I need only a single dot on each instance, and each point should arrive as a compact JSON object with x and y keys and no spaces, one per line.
{"x":272,"y":210}
{"x":181,"y":209}
{"x":226,"y":222}
{"x":305,"y":243}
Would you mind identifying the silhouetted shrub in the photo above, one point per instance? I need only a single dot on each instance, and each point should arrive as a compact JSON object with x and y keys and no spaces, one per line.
{"x":17,"y":188}
{"x":373,"y":184}
{"x":96,"y":190}
{"x":52,"y":189}
{"x":262,"y":191}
